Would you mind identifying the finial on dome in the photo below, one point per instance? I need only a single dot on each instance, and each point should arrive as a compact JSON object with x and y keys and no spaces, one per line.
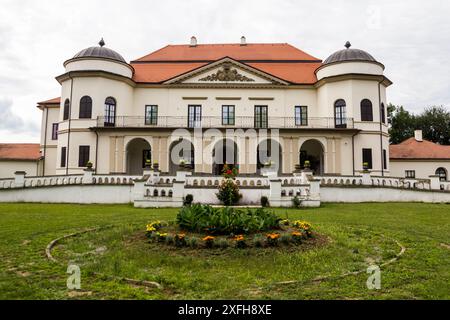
{"x":348,"y":44}
{"x":102,"y":42}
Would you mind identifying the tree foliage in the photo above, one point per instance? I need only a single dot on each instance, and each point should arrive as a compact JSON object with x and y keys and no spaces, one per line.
{"x":433,"y":121}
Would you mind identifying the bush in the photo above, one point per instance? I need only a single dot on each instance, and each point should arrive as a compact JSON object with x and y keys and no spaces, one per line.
{"x":187,"y":201}
{"x":223,"y":243}
{"x":258,"y":241}
{"x":285,"y":238}
{"x":296,"y":202}
{"x":193,"y":242}
{"x":201,"y":218}
{"x":264,"y":201}
{"x":228,"y":192}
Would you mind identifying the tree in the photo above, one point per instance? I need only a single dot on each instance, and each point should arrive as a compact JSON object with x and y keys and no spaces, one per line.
{"x":402,"y":123}
{"x":433,"y":121}
{"x":435,"y":124}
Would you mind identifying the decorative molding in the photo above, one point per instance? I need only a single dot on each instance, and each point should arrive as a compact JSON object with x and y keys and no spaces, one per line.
{"x":195,"y":98}
{"x":228,"y":98}
{"x":261,"y":98}
{"x":227,"y":74}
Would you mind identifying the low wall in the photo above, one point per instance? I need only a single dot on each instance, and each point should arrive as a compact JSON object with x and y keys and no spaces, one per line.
{"x":208,"y":195}
{"x":70,"y":194}
{"x":380,"y":194}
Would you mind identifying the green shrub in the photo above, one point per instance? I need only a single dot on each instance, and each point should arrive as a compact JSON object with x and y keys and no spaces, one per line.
{"x":193,"y":242}
{"x":187,"y":201}
{"x":264,"y":201}
{"x":258,"y":241}
{"x":222,"y":243}
{"x":204,"y":218}
{"x":228,"y":192}
{"x":285,"y":238}
{"x":296,"y":202}
{"x":170,"y":239}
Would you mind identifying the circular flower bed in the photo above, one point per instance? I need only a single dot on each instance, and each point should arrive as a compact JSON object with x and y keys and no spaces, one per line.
{"x":206,"y":227}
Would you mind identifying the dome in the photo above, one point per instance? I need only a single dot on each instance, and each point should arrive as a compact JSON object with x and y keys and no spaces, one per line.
{"x":100,"y":52}
{"x":349,"y":55}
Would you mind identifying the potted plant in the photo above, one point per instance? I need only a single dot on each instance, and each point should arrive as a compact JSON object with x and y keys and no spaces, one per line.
{"x":182,"y":163}
{"x":268,"y":164}
{"x":148,"y":163}
{"x":155,"y":165}
{"x":365,"y":167}
{"x":89,"y":165}
{"x":307,"y":164}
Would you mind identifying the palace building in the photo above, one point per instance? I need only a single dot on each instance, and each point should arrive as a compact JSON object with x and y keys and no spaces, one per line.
{"x":208,"y":101}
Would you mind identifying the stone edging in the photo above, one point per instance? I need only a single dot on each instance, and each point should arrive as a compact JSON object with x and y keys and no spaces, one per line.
{"x":53,"y":243}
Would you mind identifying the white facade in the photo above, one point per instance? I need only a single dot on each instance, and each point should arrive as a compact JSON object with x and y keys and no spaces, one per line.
{"x":334,"y":149}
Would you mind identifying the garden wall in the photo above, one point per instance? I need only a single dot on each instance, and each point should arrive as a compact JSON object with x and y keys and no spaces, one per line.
{"x":380,"y":194}
{"x":70,"y":194}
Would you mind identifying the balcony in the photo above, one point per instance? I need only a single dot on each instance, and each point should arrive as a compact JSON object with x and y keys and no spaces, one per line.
{"x":216,"y":122}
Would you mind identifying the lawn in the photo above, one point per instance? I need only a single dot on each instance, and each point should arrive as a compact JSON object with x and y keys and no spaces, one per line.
{"x":358,"y":235}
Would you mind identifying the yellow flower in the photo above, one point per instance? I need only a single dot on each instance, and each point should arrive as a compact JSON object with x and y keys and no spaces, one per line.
{"x":150,"y":228}
{"x":162,"y":235}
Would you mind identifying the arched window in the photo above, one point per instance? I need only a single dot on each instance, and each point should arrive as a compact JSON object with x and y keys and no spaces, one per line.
{"x":442,"y":173}
{"x":366,"y":110}
{"x":110,"y":112}
{"x":66,"y":112}
{"x":340,"y":114}
{"x":85,"y":107}
{"x":383,"y":113}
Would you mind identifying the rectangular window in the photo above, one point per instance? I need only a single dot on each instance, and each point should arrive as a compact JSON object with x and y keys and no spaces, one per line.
{"x":194,"y":116}
{"x":383,"y":113}
{"x":55,"y":131}
{"x":151,"y":115}
{"x":301,"y":115}
{"x":228,"y":115}
{"x":410,"y":174}
{"x":260,"y":117}
{"x":63,"y":157}
{"x":367,"y":157}
{"x":83,"y":156}
{"x":384,"y":159}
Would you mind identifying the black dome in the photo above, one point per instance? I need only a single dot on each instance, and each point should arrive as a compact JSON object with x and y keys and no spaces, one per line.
{"x":100,"y":52}
{"x":349,"y":54}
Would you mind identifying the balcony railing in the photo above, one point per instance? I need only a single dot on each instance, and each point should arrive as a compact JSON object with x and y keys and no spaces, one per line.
{"x":217,"y":122}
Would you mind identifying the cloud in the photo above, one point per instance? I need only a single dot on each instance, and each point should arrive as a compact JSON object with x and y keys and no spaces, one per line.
{"x":411,"y":38}
{"x":12,"y":123}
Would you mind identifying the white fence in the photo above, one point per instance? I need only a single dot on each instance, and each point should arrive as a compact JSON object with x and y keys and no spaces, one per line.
{"x":154,"y":189}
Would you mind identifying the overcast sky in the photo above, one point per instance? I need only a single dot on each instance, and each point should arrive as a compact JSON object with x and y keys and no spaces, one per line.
{"x":412,"y":39}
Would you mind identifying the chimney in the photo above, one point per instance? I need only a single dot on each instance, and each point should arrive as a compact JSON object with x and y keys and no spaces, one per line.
{"x":193,"y":41}
{"x":243,"y":41}
{"x":418,"y":135}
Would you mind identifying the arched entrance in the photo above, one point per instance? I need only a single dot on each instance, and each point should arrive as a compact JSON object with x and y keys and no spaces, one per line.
{"x":138,"y":151}
{"x":269,"y":150}
{"x":312,"y":150}
{"x":225,"y":151}
{"x":180,"y":150}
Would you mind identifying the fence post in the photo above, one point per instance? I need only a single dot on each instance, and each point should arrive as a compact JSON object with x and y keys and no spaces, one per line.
{"x":19,"y":179}
{"x":435,"y":183}
{"x":87,"y":176}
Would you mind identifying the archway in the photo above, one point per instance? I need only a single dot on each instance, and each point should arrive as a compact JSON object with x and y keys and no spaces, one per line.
{"x":269,"y":150}
{"x":138,"y":151}
{"x":180,"y":150}
{"x":312,"y":150}
{"x":225,"y":151}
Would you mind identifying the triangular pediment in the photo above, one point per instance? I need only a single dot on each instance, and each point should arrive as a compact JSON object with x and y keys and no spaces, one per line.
{"x":226,"y":71}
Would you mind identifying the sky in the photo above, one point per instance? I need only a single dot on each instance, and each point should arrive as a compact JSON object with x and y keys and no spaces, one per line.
{"x":411,"y":38}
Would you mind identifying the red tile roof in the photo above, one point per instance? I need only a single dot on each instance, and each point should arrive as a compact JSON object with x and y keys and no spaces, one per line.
{"x":20,"y":151}
{"x":51,"y":101}
{"x":413,"y":149}
{"x":278,"y":59}
{"x":213,"y":52}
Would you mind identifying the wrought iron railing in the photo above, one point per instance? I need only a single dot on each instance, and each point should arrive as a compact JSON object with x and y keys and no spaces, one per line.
{"x":218,"y":122}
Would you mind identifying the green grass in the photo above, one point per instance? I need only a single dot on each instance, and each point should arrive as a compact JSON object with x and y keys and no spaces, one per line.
{"x":360,"y":234}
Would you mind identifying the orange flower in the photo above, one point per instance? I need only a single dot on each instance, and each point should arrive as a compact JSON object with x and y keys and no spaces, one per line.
{"x":296,"y":234}
{"x":239,"y":238}
{"x":273,"y":236}
{"x":208,"y":238}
